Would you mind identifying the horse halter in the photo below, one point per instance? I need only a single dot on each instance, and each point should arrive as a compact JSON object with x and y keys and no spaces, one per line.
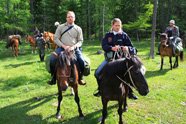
{"x":128,"y":71}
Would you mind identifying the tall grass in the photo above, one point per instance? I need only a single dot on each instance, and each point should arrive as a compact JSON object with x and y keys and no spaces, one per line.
{"x":26,"y":98}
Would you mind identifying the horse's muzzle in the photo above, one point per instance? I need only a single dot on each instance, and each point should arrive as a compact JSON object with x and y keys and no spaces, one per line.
{"x":143,"y":92}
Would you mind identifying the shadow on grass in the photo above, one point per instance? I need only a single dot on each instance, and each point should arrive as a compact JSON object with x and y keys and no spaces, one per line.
{"x":26,"y":81}
{"x":90,"y":118}
{"x":156,"y":73}
{"x":18,"y":113}
{"x":20,"y":64}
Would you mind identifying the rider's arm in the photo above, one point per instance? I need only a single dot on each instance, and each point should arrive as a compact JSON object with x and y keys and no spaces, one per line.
{"x":128,"y":45}
{"x":57,"y":36}
{"x":79,"y":38}
{"x":106,"y":46}
{"x":177,"y":33}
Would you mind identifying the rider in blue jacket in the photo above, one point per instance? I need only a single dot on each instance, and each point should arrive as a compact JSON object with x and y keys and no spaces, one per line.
{"x":113,"y":41}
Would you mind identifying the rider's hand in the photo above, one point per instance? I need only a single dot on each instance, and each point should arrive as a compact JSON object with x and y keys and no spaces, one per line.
{"x":115,"y":48}
{"x":125,"y":48}
{"x":71,"y":48}
{"x":66,"y":47}
{"x":171,"y":38}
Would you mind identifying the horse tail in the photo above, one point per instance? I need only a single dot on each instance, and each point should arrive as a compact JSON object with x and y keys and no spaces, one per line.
{"x":181,"y":56}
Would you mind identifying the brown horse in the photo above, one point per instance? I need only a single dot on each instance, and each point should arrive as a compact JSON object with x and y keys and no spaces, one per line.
{"x":32,"y":42}
{"x":67,"y":75}
{"x":49,"y":37}
{"x":167,"y":50}
{"x":14,"y":43}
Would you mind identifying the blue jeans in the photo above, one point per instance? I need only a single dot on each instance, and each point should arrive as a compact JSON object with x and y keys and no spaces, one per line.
{"x":100,"y":68}
{"x":78,"y":54}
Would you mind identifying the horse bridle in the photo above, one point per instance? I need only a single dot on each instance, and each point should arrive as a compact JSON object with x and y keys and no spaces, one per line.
{"x":128,"y":71}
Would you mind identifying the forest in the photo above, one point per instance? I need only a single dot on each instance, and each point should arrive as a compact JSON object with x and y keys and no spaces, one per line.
{"x":94,"y":16}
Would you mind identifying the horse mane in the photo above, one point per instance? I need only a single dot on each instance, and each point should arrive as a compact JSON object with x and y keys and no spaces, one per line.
{"x":163,"y":37}
{"x":119,"y":66}
{"x":66,"y":59}
{"x":137,"y":61}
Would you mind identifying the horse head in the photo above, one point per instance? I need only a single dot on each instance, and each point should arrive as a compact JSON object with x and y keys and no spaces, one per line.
{"x":46,"y":36}
{"x":66,"y":61}
{"x":136,"y":72}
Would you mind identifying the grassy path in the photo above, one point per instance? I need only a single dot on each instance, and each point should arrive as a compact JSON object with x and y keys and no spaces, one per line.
{"x":25,"y":98}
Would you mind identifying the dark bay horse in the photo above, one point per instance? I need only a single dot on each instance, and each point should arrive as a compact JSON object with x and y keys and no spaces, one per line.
{"x":14,"y":43}
{"x":31,"y":40}
{"x":49,"y":37}
{"x":167,"y":50}
{"x":116,"y":78}
{"x":67,"y":75}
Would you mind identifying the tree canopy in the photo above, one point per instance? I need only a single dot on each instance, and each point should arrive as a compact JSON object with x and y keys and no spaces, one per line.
{"x":94,"y":16}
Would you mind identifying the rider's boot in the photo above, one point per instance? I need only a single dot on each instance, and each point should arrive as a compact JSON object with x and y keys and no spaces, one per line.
{"x":98,"y":93}
{"x":81,"y":81}
{"x":53,"y":75}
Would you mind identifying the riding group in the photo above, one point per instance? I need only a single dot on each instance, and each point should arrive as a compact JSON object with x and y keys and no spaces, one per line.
{"x":121,"y":70}
{"x":38,"y":41}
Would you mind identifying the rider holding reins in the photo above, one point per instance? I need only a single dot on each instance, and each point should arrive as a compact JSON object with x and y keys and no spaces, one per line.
{"x":68,"y":36}
{"x":114,"y":41}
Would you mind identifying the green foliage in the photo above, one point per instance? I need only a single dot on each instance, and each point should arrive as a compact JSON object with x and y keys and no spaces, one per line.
{"x":15,"y":17}
{"x":94,"y":16}
{"x":143,"y":21}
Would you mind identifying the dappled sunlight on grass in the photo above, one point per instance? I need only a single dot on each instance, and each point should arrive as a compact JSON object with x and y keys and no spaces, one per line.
{"x":25,"y":96}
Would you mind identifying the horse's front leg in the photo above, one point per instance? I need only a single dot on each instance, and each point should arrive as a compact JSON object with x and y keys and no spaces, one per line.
{"x":161,"y":63}
{"x":60,"y":97}
{"x":76,"y":98}
{"x":120,"y":111}
{"x":16,"y":51}
{"x":170,"y":61}
{"x":176,"y":62}
{"x":104,"y":111}
{"x":125,"y":108}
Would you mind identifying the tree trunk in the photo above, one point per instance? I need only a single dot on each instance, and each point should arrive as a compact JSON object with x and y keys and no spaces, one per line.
{"x":103,"y":28}
{"x":153,"y":29}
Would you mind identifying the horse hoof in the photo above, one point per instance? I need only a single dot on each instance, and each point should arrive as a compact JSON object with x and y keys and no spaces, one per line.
{"x":58,"y":116}
{"x":100,"y":119}
{"x":121,"y":122}
{"x":82,"y":118}
{"x":125,"y":109}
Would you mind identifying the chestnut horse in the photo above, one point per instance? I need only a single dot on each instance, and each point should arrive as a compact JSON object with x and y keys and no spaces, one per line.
{"x":167,"y":50}
{"x":32,"y":42}
{"x":67,"y":75}
{"x":14,"y":43}
{"x":49,"y":37}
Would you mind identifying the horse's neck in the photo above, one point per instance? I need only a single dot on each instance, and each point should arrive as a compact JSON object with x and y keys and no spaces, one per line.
{"x":115,"y":67}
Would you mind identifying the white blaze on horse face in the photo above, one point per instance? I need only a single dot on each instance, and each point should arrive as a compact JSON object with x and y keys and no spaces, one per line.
{"x":143,"y":69}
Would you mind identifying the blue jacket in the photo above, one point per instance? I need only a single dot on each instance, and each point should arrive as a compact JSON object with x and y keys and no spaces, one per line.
{"x":122,"y":39}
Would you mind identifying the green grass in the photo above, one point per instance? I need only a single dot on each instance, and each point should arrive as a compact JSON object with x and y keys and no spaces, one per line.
{"x":23,"y":80}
